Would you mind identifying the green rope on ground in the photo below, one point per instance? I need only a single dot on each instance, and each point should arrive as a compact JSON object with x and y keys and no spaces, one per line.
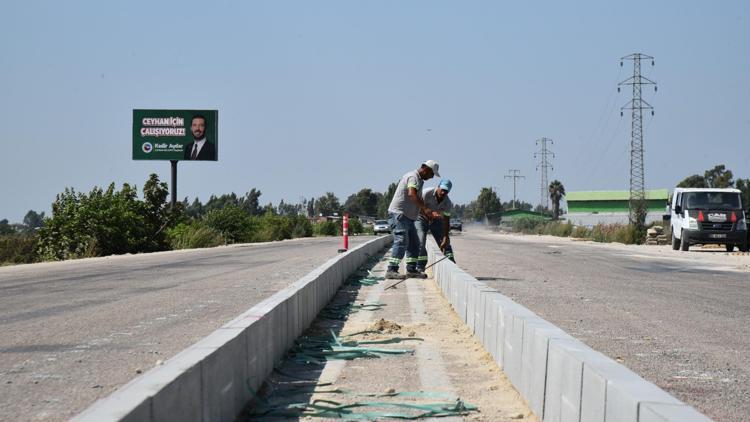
{"x":342,"y":311}
{"x":333,"y":409}
{"x":365,"y":281}
{"x":318,"y":350}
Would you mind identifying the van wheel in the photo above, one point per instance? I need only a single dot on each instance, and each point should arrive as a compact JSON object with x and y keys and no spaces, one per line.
{"x":742,"y":247}
{"x":730,"y":247}
{"x":675,"y":243}
{"x":684,"y":242}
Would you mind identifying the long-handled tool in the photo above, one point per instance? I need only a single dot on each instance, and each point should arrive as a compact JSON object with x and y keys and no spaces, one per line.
{"x":425,"y":268}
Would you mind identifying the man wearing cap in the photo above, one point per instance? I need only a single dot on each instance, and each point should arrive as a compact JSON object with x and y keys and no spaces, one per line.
{"x":436,"y":199}
{"x":404,"y":210}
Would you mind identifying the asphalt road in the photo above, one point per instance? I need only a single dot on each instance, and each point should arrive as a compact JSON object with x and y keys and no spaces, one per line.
{"x":74,"y":331}
{"x":678,"y":319}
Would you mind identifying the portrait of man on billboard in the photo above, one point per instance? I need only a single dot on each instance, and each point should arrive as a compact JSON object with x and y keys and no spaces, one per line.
{"x":200,"y":148}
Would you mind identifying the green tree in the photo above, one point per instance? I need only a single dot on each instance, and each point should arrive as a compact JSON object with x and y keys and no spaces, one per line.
{"x":719,"y":177}
{"x":744,"y":186}
{"x":694,"y":181}
{"x":520,"y":205}
{"x":33,"y":221}
{"x":194,"y":210}
{"x":488,"y":205}
{"x":250,"y":203}
{"x":287,"y":209}
{"x":385,"y":200}
{"x":363,"y":203}
{"x":106,"y":222}
{"x":327,"y":204}
{"x":5,"y":227}
{"x":556,"y":193}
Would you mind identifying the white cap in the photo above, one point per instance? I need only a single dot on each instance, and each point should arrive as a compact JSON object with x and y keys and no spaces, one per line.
{"x":433,"y":165}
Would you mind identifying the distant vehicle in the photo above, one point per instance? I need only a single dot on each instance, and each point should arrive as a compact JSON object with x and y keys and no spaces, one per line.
{"x":456,"y":224}
{"x":381,"y":226}
{"x":701,"y":216}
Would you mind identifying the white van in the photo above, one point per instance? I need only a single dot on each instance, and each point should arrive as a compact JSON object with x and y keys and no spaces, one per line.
{"x":703,"y":215}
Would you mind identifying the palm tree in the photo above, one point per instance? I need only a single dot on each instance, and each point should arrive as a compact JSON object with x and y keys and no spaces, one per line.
{"x":556,"y":192}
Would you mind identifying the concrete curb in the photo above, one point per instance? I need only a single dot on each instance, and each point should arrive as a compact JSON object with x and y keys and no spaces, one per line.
{"x":561,"y":378}
{"x":209,"y":380}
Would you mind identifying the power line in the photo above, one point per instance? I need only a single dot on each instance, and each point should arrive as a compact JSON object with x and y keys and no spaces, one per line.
{"x":544,"y":164}
{"x":514,"y":174}
{"x":636,"y":106}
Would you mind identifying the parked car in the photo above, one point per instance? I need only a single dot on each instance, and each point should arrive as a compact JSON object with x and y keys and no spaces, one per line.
{"x":700,"y":216}
{"x":381,"y":226}
{"x":456,"y":224}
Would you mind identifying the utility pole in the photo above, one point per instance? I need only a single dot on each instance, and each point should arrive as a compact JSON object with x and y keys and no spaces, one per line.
{"x":544,"y":164}
{"x":636,"y":106}
{"x":514,"y":174}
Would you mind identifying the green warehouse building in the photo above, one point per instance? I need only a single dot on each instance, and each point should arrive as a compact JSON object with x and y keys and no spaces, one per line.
{"x":589,"y":208}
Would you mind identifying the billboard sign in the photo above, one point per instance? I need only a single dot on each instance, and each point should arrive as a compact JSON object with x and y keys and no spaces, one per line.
{"x":175,"y":135}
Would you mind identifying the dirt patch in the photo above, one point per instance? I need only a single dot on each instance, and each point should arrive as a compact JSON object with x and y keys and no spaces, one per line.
{"x":385,"y":326}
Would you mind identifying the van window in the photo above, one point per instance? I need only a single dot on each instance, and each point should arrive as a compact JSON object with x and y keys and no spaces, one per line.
{"x":678,"y":200}
{"x":712,"y":200}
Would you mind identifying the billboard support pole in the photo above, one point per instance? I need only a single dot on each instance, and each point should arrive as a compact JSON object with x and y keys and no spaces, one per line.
{"x":174,"y":182}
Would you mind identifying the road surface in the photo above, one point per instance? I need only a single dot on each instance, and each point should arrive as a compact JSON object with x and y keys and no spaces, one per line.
{"x":678,"y":319}
{"x":73,"y":331}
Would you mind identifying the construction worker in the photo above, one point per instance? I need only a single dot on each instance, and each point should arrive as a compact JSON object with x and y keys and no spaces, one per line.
{"x":437,"y":200}
{"x":403,"y":212}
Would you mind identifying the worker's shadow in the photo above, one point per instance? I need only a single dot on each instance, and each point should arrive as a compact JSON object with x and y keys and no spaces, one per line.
{"x":295,"y":380}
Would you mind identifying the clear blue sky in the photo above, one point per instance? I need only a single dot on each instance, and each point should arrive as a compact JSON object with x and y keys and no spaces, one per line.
{"x":336,"y":96}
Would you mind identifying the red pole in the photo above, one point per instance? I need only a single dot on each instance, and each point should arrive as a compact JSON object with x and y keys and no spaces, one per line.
{"x":346,"y":231}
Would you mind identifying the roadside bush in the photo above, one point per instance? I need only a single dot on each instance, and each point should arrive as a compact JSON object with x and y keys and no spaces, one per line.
{"x":621,"y":233}
{"x":302,"y":227}
{"x":326,"y":228}
{"x":557,"y":228}
{"x":527,"y":224}
{"x":18,"y":249}
{"x":234,"y":224}
{"x":355,"y":226}
{"x":106,"y":222}
{"x":581,"y":232}
{"x":194,"y":235}
{"x":273,"y":227}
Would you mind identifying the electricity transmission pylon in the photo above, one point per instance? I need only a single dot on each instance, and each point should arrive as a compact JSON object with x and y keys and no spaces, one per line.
{"x":514,"y":174}
{"x":543,"y":165}
{"x":636,"y":105}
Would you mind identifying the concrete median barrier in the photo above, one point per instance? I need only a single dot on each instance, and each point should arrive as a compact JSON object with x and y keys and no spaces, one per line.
{"x":560,"y":378}
{"x":213,"y":379}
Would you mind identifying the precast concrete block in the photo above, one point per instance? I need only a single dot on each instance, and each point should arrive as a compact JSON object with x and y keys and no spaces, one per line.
{"x":536,"y":336}
{"x":258,"y":360}
{"x":224,"y":374}
{"x":307,"y":306}
{"x":179,"y":397}
{"x":260,"y":351}
{"x":472,"y":294}
{"x":563,"y":397}
{"x":513,"y":315}
{"x":125,"y":405}
{"x":626,"y":391}
{"x":660,"y":412}
{"x":498,"y":303}
{"x":491,"y":320}
{"x":292,"y":319}
{"x":480,"y":322}
{"x":459,"y":299}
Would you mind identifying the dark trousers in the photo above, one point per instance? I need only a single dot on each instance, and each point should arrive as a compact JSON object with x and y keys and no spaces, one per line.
{"x":436,"y":228}
{"x":405,"y":241}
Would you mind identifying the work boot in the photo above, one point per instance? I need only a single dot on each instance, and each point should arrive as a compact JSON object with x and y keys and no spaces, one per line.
{"x":415,"y":274}
{"x":394,"y":275}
